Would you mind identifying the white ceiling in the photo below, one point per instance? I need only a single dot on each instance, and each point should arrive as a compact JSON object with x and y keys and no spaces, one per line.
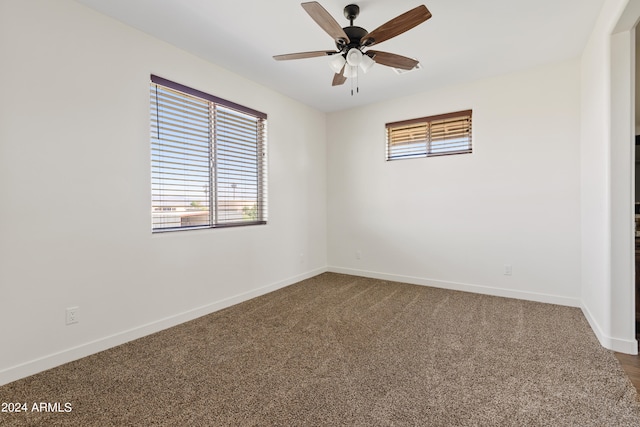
{"x":464,"y":40}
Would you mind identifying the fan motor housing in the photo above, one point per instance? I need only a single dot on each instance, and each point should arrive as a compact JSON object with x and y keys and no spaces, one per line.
{"x":355,"y":34}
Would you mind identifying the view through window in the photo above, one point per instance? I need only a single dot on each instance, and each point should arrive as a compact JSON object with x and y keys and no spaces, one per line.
{"x":208,"y":160}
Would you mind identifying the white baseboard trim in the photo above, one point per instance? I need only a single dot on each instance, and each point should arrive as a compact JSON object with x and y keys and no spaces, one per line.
{"x":56,"y":359}
{"x":628,"y":346}
{"x":465,"y":287}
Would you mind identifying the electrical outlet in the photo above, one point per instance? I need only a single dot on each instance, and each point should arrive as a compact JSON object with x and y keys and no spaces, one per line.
{"x":72,"y":315}
{"x":301,"y":257}
{"x":358,"y":254}
{"x":507,"y":270}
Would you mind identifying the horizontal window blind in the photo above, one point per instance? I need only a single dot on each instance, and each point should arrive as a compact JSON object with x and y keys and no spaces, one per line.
{"x":208,"y":160}
{"x":238,"y":165}
{"x":430,"y":136}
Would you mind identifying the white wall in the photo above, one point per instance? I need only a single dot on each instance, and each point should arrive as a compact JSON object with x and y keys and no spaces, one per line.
{"x":606,"y":160}
{"x":75,"y":191}
{"x":637,"y":86}
{"x":455,"y":221}
{"x":622,"y":159}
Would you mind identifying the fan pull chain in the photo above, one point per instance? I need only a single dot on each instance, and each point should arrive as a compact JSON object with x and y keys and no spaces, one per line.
{"x":352,"y":85}
{"x":357,"y":83}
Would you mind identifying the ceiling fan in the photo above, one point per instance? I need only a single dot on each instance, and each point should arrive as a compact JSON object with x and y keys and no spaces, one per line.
{"x":353,"y":42}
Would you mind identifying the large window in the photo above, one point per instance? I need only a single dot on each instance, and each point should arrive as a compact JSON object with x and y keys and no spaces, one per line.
{"x":430,"y":136}
{"x":208,"y":160}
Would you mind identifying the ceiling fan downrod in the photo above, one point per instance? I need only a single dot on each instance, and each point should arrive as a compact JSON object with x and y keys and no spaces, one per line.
{"x":354,"y":33}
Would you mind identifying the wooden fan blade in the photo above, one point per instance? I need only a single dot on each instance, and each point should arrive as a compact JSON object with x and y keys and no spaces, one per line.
{"x":392,"y":60}
{"x":397,"y":25}
{"x":339,"y":78}
{"x":326,"y":21}
{"x":302,"y":55}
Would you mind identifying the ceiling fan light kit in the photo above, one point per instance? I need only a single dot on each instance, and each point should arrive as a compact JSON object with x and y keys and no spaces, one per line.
{"x":352,"y":42}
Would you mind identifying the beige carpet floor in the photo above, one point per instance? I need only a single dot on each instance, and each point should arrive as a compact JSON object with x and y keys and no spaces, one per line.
{"x":342,"y":350}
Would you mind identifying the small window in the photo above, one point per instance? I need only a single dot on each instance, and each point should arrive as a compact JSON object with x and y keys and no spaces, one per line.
{"x":208,"y":160}
{"x":430,"y":136}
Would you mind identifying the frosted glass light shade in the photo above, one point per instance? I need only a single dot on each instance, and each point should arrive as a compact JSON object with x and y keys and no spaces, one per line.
{"x":366,"y":63}
{"x":350,"y":71}
{"x":354,"y":56}
{"x":336,"y":63}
